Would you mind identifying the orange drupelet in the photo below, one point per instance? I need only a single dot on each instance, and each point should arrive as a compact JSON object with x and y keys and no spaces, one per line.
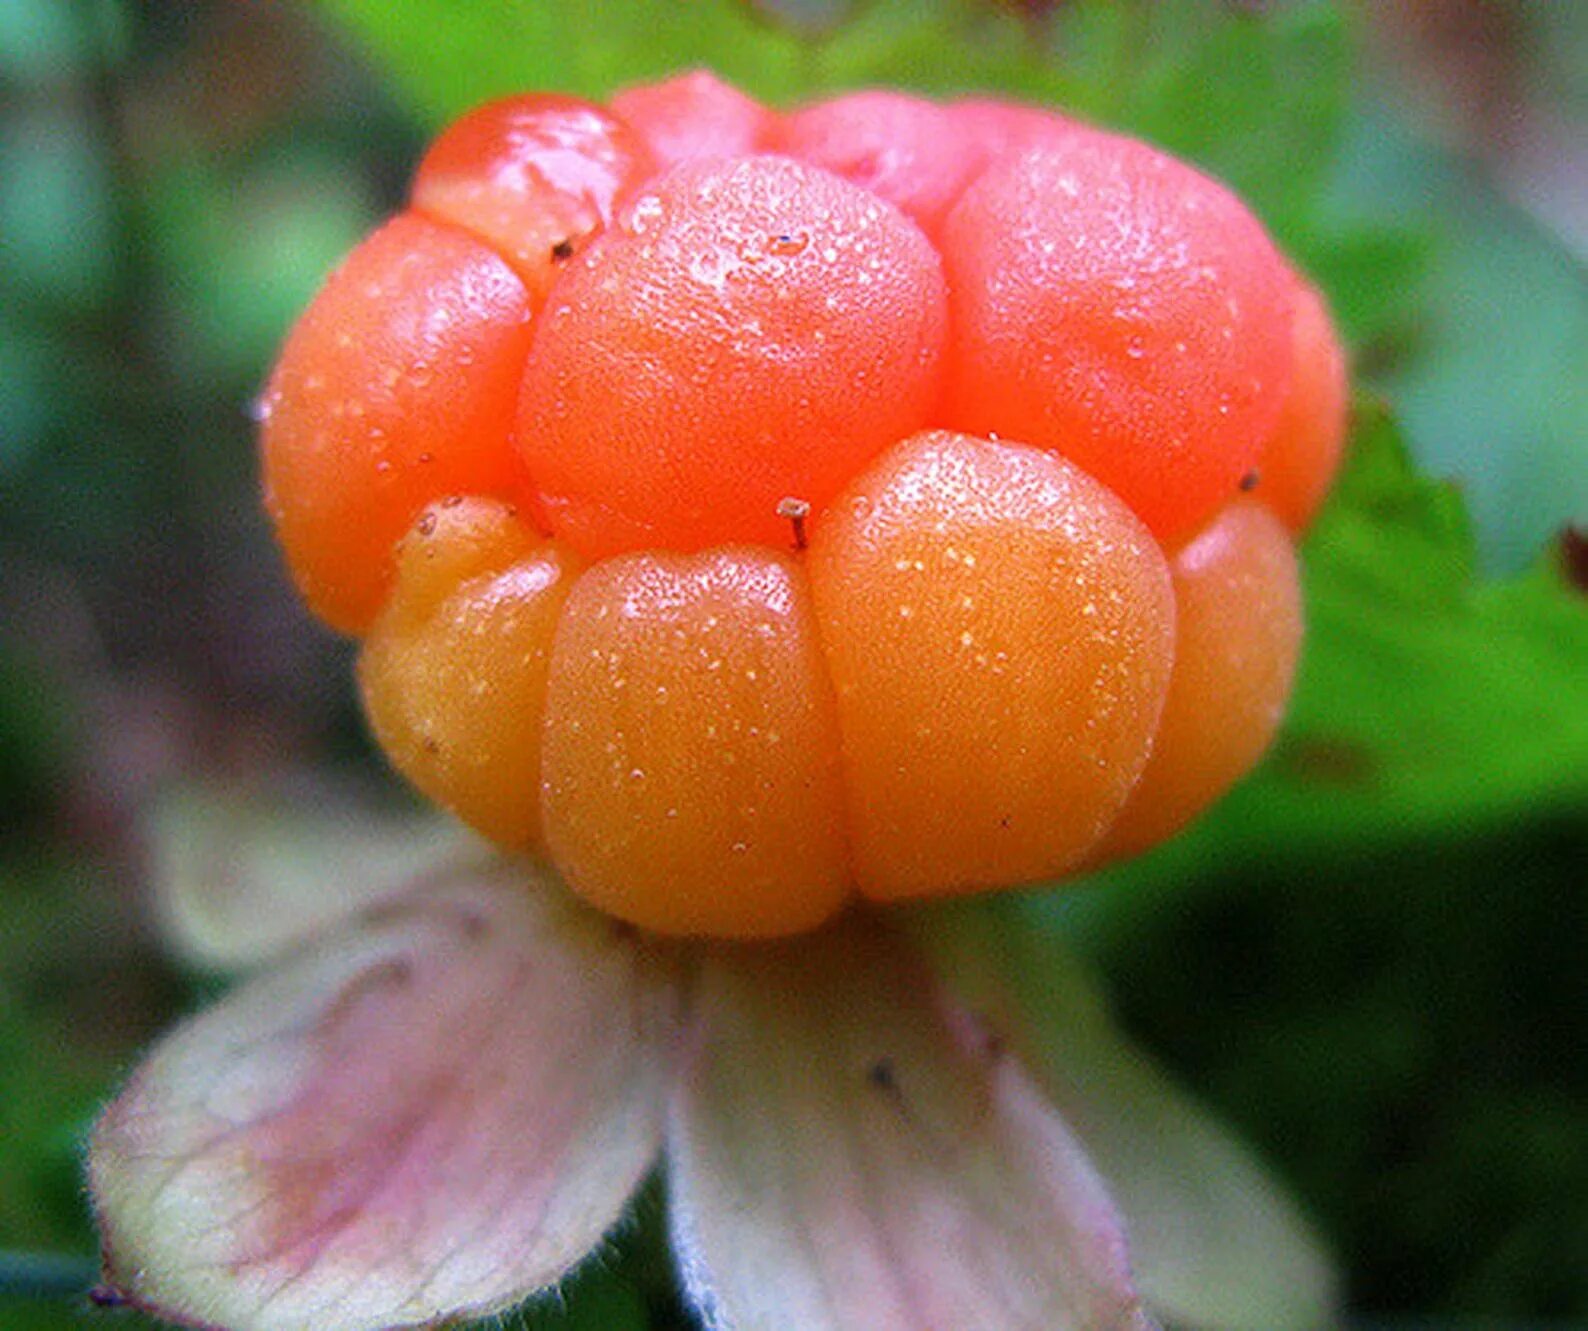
{"x":1116,"y":306}
{"x":1237,"y":637}
{"x":534,"y":176}
{"x":879,"y":601}
{"x":748,"y":331}
{"x":398,"y":385}
{"x":696,"y":115}
{"x":454,"y":672}
{"x":1001,"y":129}
{"x":692,"y":768}
{"x":1000,"y":631}
{"x":917,"y":155}
{"x":1299,"y":461}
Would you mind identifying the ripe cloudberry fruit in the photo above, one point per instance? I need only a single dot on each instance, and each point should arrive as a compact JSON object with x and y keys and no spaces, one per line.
{"x":748,"y":510}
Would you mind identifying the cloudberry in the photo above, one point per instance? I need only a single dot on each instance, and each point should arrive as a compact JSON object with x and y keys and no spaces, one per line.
{"x":746,"y":511}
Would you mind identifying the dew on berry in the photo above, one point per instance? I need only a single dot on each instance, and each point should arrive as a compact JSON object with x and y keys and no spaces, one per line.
{"x":1014,"y":708}
{"x":730,"y":831}
{"x":682,"y":392}
{"x":1043,"y":351}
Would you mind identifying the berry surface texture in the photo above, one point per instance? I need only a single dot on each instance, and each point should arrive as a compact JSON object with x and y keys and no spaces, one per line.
{"x":750,"y":511}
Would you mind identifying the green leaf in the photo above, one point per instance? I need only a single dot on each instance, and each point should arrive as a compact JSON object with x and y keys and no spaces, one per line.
{"x":1426,"y":699}
{"x":1490,"y":379}
{"x":448,"y":57}
{"x":1161,"y":70}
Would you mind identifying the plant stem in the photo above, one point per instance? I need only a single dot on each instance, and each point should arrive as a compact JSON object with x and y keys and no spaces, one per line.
{"x":45,"y":1274}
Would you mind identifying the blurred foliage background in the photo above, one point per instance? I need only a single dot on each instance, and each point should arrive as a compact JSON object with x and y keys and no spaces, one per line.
{"x":1373,"y":958}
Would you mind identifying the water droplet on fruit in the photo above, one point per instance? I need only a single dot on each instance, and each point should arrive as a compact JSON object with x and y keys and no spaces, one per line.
{"x":644,"y":212}
{"x":420,"y":374}
{"x":260,"y":409}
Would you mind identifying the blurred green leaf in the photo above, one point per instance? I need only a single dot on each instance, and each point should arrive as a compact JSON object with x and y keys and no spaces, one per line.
{"x":44,"y":1274}
{"x":1493,"y":388}
{"x":244,"y":245}
{"x":64,"y":1038}
{"x":55,"y":208}
{"x":30,"y":369}
{"x":42,"y":41}
{"x":1400,"y":1031}
{"x":35,"y":730}
{"x":73,"y":1000}
{"x":449,"y":57}
{"x":1372,"y":271}
{"x":68,"y":1315}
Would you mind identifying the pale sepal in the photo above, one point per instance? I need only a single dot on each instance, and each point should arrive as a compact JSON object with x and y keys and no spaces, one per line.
{"x":1218,"y":1245}
{"x":435,"y":1114}
{"x":846,"y":1153}
{"x":242,"y":874}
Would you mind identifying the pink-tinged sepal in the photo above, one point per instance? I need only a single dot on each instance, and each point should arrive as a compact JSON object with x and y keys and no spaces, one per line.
{"x":847,"y":1152}
{"x":243,"y":874}
{"x":1217,"y":1243}
{"x":434,"y":1114}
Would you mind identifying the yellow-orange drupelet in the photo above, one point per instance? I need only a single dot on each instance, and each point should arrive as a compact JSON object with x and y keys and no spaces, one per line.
{"x":1238,"y":633}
